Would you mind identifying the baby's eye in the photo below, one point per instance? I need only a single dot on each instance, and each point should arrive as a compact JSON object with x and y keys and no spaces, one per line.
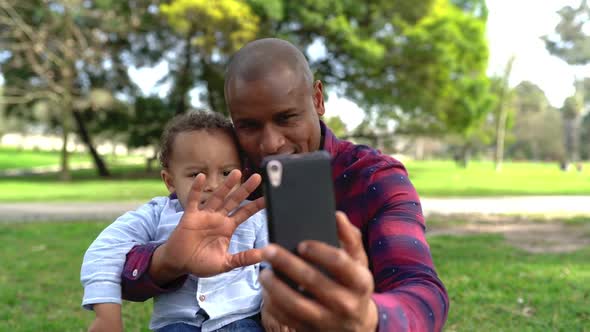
{"x":194,"y":174}
{"x":226,"y":172}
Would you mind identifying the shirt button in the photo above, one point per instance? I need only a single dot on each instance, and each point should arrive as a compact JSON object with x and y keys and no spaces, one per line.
{"x":134,"y":273}
{"x":202,"y":298}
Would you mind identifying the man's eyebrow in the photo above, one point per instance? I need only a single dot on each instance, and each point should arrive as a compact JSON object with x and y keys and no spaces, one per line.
{"x":287,"y":110}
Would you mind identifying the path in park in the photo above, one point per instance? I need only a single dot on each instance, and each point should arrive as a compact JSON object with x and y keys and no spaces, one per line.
{"x":551,"y":206}
{"x":534,"y":224}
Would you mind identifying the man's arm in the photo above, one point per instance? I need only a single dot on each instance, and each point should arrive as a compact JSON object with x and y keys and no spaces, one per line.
{"x":408,"y":292}
{"x":400,"y":293}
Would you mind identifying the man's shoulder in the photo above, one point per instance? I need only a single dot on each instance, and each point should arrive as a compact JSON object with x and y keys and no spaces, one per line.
{"x":359,"y":157}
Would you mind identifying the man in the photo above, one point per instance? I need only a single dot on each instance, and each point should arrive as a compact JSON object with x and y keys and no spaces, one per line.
{"x":384,"y":277}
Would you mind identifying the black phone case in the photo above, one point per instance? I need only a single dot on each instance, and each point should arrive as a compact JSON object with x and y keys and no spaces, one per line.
{"x":302,"y":206}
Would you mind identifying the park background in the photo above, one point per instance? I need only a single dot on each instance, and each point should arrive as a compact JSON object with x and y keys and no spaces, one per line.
{"x":485,"y":102}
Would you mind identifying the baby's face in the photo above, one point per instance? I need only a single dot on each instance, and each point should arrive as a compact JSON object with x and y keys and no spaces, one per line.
{"x":211,"y":152}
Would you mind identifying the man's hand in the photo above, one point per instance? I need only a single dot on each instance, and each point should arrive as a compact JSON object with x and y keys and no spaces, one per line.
{"x":270,"y":324}
{"x":108,"y":318}
{"x":201,"y":239}
{"x":340,"y":304}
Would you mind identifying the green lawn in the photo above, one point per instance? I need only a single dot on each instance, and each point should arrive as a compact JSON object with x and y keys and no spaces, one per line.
{"x":128,"y":183}
{"x":493,"y":287}
{"x":444,"y":178}
{"x":431,"y":178}
{"x":11,"y":158}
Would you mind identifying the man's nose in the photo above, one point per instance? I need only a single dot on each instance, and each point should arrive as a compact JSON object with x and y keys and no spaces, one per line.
{"x":272,"y":140}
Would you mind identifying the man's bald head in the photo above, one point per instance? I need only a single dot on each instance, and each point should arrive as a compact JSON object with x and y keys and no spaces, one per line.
{"x":263,"y":57}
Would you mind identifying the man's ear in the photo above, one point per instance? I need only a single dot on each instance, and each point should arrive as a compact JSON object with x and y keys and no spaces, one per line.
{"x":318,"y":97}
{"x":168,"y":180}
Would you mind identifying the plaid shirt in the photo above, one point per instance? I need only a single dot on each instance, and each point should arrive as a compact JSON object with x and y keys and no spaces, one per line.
{"x":376,"y":194}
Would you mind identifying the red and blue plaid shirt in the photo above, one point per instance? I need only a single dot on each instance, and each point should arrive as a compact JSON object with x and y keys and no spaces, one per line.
{"x":374,"y":191}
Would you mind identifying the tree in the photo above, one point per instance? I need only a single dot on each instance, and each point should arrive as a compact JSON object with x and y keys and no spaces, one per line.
{"x":503,"y":111}
{"x":585,"y":137}
{"x":209,"y":32}
{"x":146,"y":125}
{"x":337,"y":126}
{"x":65,"y":57}
{"x":537,"y":133}
{"x":381,"y":54}
{"x":571,"y":43}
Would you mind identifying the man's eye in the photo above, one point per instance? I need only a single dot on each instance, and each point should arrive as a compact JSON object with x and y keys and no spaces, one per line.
{"x":286,"y":118}
{"x":246,"y":126}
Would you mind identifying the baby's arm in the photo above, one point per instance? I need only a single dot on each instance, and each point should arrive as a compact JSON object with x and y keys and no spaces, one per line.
{"x":104,"y":260}
{"x":108,"y":318}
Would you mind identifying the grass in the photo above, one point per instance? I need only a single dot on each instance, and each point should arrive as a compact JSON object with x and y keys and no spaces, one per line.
{"x":444,"y":178}
{"x":40,"y":283}
{"x":128,"y":183}
{"x":431,"y":179}
{"x":11,"y":158}
{"x":493,"y":287}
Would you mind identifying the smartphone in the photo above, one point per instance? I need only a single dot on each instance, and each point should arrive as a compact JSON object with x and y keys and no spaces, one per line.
{"x":300,"y":201}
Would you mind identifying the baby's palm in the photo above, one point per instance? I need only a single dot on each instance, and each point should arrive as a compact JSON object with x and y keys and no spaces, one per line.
{"x":199,"y":244}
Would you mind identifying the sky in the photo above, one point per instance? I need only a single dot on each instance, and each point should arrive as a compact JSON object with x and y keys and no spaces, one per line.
{"x":515,"y":27}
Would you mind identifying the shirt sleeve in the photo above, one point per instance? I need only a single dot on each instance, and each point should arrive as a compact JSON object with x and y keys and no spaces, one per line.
{"x":136,"y":283}
{"x":103,"y":261}
{"x":408,"y":293}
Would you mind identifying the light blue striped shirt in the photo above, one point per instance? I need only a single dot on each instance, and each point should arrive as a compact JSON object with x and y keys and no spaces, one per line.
{"x":226,"y":297}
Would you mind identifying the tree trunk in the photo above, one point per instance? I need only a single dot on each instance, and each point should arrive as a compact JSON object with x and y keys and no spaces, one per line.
{"x":213,"y":76}
{"x":99,"y":163}
{"x":569,"y":140}
{"x":462,"y":158}
{"x":500,"y":138}
{"x":184,"y":82}
{"x":150,"y":161}
{"x":64,"y":167}
{"x":502,"y":117}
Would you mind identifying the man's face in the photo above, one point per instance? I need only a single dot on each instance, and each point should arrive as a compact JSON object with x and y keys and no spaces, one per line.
{"x":278,"y":114}
{"x":211,"y":152}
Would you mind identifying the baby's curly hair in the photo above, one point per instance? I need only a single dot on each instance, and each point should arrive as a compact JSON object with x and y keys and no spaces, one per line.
{"x":190,"y":121}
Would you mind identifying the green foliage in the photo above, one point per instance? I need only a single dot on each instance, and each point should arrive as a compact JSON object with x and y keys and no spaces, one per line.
{"x":147,"y":124}
{"x":537,"y":135}
{"x":213,"y":26}
{"x":446,"y":84}
{"x":536,"y":128}
{"x":530,"y":98}
{"x":570,"y":42}
{"x":336,"y":125}
{"x":421,"y":63}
